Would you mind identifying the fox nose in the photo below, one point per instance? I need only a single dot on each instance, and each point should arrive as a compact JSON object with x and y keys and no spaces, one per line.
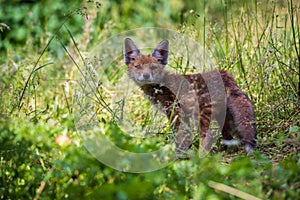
{"x":146,"y":75}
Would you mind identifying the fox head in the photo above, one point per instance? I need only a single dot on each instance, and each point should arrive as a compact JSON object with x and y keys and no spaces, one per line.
{"x":146,"y":69}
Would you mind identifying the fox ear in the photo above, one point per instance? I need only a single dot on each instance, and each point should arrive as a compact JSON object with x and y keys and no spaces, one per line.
{"x":130,"y":51}
{"x":161,"y":52}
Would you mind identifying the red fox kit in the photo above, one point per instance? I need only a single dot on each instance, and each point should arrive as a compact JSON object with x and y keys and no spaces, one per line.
{"x":185,"y":99}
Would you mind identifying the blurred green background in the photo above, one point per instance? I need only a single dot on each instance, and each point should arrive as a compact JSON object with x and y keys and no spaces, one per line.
{"x":43,"y":157}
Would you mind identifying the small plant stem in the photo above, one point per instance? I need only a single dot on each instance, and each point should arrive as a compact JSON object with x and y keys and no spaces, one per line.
{"x":291,"y":12}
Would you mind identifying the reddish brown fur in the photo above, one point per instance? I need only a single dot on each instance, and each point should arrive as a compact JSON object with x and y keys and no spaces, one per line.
{"x":161,"y":87}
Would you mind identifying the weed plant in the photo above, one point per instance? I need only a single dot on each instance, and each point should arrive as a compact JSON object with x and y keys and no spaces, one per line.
{"x":257,"y":41}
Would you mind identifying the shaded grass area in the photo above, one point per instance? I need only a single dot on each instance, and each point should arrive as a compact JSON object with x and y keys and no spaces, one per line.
{"x":42,"y":156}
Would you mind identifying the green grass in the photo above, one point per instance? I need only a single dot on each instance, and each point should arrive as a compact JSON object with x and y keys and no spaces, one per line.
{"x":257,"y":41}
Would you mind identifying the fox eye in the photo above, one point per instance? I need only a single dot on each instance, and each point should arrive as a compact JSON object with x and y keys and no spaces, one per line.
{"x":138,"y":66}
{"x":153,"y":67}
